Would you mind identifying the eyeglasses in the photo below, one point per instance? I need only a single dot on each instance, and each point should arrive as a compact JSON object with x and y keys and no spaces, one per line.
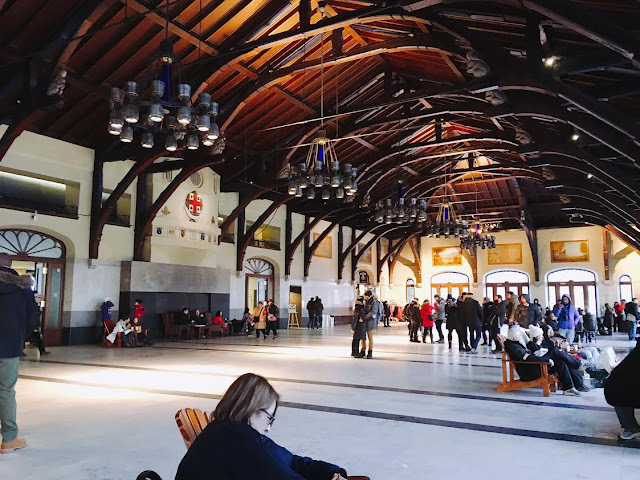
{"x":271,"y":418}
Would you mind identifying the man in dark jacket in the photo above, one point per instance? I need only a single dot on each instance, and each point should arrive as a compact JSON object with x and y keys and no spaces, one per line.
{"x":527,"y":314}
{"x":473,"y":320}
{"x":631,"y":309}
{"x":372,"y":308}
{"x":412,"y":311}
{"x":622,"y":391}
{"x":358,"y":327}
{"x":311,"y":309}
{"x":498,"y":318}
{"x":19,"y":316}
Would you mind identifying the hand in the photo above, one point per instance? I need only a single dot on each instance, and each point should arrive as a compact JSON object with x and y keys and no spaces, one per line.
{"x":337,"y":476}
{"x":551,"y":363}
{"x":361,"y":321}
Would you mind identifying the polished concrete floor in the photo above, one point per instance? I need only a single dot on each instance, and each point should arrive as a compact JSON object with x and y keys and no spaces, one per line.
{"x":415,"y":411}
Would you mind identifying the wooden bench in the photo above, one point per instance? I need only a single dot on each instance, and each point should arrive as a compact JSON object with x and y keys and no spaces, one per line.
{"x":510,"y":382}
{"x":107,"y":328}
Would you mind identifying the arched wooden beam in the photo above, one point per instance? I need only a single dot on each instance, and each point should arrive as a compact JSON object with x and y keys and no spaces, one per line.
{"x":296,"y":243}
{"x":99,"y":220}
{"x":143,"y":228}
{"x":239,"y":208}
{"x":415,"y":249}
{"x":360,"y":16}
{"x":392,"y":251}
{"x":595,"y":219}
{"x":264,"y":82}
{"x":395,"y":258}
{"x":248,"y":236}
{"x":620,"y":225}
{"x":308,"y":254}
{"x":342,"y":256}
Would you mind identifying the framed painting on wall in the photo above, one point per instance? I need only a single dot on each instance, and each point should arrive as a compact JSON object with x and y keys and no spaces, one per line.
{"x":446,"y":256}
{"x":506,"y":253}
{"x":366,"y":256}
{"x":569,"y":251}
{"x":325,"y":249}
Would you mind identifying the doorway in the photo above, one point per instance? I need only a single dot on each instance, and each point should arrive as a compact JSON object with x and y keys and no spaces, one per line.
{"x":259,"y":282}
{"x":295,"y":299}
{"x":42,"y":257}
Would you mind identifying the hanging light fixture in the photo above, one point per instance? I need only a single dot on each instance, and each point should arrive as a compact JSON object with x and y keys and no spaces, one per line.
{"x":398,"y":210}
{"x":447,"y":223}
{"x":322,"y":170}
{"x":169,"y":109}
{"x":478,"y":236}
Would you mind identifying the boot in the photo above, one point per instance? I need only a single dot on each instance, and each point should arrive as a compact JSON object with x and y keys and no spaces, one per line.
{"x":424,"y":339}
{"x":354,"y":348}
{"x":369,"y":354}
{"x":362,"y":354}
{"x":431,"y":337}
{"x":13,"y":445}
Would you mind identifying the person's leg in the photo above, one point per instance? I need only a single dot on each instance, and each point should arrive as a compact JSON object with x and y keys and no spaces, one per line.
{"x":370,"y":337}
{"x":562,"y":371}
{"x":274,"y":327}
{"x":8,"y":407}
{"x":485,"y":328}
{"x":476,"y":337}
{"x":494,"y":337}
{"x":449,"y":336}
{"x":633,"y":325}
{"x":430,"y":333}
{"x":424,"y":335}
{"x":439,"y":330}
{"x":463,"y":342}
{"x":354,"y":347}
{"x":627,"y":418}
{"x":571,"y":334}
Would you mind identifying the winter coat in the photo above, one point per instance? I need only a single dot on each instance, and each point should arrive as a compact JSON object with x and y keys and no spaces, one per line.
{"x":358,"y":323}
{"x":452,"y":317}
{"x":501,"y":312}
{"x":528,"y":315}
{"x":517,"y":352}
{"x":139,"y":311}
{"x":618,"y":309}
{"x":272,"y":311}
{"x":210,"y":456}
{"x":631,"y":308}
{"x":621,"y":388}
{"x":311,"y":307}
{"x":426,"y":312}
{"x":590,"y":322}
{"x":371,"y":308}
{"x":511,"y":308}
{"x":387,"y":309}
{"x":472,"y":312}
{"x":608,"y":317}
{"x":487,"y":310}
{"x":259,"y":318}
{"x":412,"y":312}
{"x":568,"y":316}
{"x":105,"y":310}
{"x":440,"y":312}
{"x":19,"y":312}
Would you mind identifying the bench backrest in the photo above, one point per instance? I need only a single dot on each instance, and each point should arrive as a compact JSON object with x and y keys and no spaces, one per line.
{"x":191,"y":422}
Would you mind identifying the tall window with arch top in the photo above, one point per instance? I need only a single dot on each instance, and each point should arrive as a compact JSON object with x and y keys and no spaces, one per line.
{"x":626,"y":288}
{"x":579,"y":284}
{"x":411,"y":289}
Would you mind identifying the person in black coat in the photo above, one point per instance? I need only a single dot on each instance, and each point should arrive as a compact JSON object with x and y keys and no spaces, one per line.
{"x":19,"y":316}
{"x":473,"y":320}
{"x":498,"y":318}
{"x":243,"y":418}
{"x":451,"y":312}
{"x":622,"y":391}
{"x":487,"y":312}
{"x":461,"y":326}
{"x":359,"y":328}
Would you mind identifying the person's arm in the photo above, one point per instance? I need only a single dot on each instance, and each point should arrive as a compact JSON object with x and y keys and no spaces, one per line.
{"x":315,"y":469}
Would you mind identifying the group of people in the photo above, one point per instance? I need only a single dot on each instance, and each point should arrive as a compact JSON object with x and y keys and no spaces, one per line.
{"x":264,"y":319}
{"x":187,"y":319}
{"x":315,"y":309}
{"x":368,"y":311}
{"x":130,"y":326}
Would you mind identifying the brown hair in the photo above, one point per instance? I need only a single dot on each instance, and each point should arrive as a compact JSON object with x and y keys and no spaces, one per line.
{"x":246,"y":395}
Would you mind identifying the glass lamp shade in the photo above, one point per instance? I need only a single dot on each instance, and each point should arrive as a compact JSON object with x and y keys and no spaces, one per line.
{"x":302,"y":181}
{"x":170,"y":143}
{"x":131,"y":114}
{"x":157,"y":88}
{"x":117,"y":95}
{"x":204,"y":100}
{"x":298,"y":192}
{"x":170,"y":122}
{"x":147,"y":140}
{"x":214,"y":132}
{"x":340,"y":193}
{"x":213,"y":109}
{"x":193,"y":142}
{"x":116,"y":119}
{"x":131,"y":89}
{"x":184,"y":91}
{"x":156,"y":114}
{"x":311,"y":193}
{"x":115,"y":130}
{"x":351,"y":193}
{"x":336,"y":181}
{"x":326,"y":194}
{"x":126,"y":135}
{"x":207,"y":142}
{"x":203,"y":123}
{"x":184,"y":115}
{"x":292,"y":187}
{"x":319,"y":180}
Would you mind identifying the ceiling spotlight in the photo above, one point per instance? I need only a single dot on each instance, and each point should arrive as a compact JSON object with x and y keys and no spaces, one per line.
{"x":575,"y":136}
{"x":549,"y":62}
{"x":589,"y":176}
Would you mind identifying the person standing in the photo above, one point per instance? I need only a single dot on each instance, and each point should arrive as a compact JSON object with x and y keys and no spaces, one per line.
{"x":619,"y":311}
{"x":19,"y":315}
{"x":511,"y":307}
{"x":461,"y":325}
{"x":473,"y":320}
{"x":631,"y":311}
{"x":567,"y":319}
{"x":609,"y":319}
{"x":319,"y":310}
{"x":441,"y":315}
{"x":359,"y":328}
{"x":622,"y":391}
{"x":311,"y":310}
{"x":451,"y":311}
{"x":138,"y":313}
{"x":426,"y":313}
{"x":35,"y":337}
{"x":487,"y":307}
{"x":527,"y":314}
{"x":272,"y":318}
{"x":498,"y":318}
{"x":371,"y":310}
{"x":260,"y":320}
{"x":412,"y":312}
{"x":387,"y":313}
{"x":105,"y":309}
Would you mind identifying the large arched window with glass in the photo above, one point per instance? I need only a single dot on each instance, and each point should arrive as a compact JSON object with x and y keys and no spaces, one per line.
{"x":411,"y":289}
{"x":449,"y":283}
{"x":626,"y":288}
{"x":500,"y":282}
{"x":579,"y":284}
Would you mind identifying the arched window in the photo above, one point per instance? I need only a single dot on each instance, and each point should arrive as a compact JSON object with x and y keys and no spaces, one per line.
{"x":449,"y":283}
{"x":259,"y":281}
{"x":626,"y":288}
{"x":411,"y":289}
{"x":499,"y":282}
{"x":579,"y":284}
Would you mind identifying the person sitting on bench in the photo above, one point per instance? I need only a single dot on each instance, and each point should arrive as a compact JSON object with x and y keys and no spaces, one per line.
{"x":244,"y":417}
{"x":198,"y":318}
{"x":217,"y":320}
{"x":183,"y":320}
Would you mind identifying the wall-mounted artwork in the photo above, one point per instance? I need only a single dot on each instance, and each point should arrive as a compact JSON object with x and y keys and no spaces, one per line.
{"x":446,"y":256}
{"x":506,"y":253}
{"x":570,"y":251}
{"x":325,"y":249}
{"x":366,"y":257}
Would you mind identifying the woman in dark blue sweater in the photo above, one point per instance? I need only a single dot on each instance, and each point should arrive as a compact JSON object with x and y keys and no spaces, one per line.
{"x":243,"y":417}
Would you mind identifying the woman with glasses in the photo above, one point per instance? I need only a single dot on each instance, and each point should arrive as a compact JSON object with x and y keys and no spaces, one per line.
{"x":243,"y":417}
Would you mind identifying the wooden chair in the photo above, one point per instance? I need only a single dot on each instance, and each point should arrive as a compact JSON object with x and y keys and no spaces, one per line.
{"x":107,"y":328}
{"x":170,"y":330}
{"x":191,"y":421}
{"x":509,"y":381}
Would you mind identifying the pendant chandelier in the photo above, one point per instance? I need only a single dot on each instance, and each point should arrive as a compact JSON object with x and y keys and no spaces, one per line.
{"x":478,"y":236}
{"x":400,"y":209}
{"x":447,"y":223}
{"x":321,"y":174}
{"x":163,"y":111}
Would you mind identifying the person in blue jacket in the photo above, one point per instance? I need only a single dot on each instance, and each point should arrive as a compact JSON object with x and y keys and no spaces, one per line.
{"x":568,"y":317}
{"x":243,"y":418}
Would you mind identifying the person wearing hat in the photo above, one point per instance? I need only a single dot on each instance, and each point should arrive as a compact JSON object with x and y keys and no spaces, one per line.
{"x":358,"y":327}
{"x":372,"y":309}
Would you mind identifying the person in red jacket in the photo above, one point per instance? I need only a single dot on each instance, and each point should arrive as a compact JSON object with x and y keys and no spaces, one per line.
{"x":426,"y":312}
{"x":142,"y":335}
{"x":618,"y":308}
{"x":217,"y":320}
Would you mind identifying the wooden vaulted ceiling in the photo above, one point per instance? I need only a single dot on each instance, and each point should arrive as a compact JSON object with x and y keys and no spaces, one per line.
{"x":400,"y":94}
